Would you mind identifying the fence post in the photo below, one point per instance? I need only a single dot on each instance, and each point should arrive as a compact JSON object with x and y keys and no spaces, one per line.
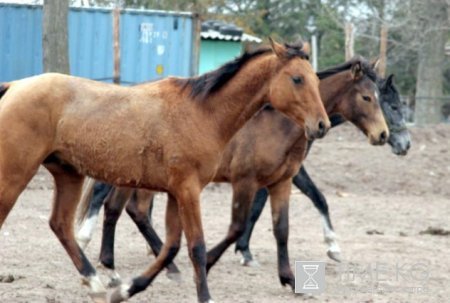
{"x":116,"y":44}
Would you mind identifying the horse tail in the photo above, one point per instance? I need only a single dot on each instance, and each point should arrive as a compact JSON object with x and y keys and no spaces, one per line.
{"x":3,"y":88}
{"x":88,"y":190}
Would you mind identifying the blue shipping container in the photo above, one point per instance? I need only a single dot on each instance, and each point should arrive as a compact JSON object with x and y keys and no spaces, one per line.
{"x":153,"y":44}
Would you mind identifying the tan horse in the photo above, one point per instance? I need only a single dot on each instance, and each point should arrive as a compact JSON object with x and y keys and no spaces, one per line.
{"x":167,"y":135}
{"x":266,"y":152}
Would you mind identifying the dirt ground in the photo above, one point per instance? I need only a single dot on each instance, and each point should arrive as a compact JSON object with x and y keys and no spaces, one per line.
{"x":369,"y":190}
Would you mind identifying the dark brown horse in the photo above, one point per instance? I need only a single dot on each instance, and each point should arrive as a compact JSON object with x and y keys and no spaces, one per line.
{"x":167,"y":135}
{"x":266,"y":152}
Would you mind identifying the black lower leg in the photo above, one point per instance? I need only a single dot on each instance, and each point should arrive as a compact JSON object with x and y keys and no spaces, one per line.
{"x":243,"y":243}
{"x":142,"y":282}
{"x":152,"y":238}
{"x":281,"y":232}
{"x":87,"y":269}
{"x":198,"y":256}
{"x":242,"y":199}
{"x":109,"y":231}
{"x":304,"y":182}
{"x":101,"y":190}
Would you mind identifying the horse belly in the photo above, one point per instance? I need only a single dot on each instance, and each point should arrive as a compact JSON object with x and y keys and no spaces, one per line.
{"x":122,"y":155}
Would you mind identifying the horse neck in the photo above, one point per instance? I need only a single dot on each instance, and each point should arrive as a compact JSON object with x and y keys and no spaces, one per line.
{"x":243,"y":96}
{"x":333,"y":91}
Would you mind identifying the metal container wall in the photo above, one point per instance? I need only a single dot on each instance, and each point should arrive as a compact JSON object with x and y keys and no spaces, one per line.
{"x":154,"y":44}
{"x":91,"y":43}
{"x":20,"y":41}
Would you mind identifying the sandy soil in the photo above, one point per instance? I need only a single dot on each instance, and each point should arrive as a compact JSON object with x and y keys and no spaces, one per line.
{"x":368,"y":189}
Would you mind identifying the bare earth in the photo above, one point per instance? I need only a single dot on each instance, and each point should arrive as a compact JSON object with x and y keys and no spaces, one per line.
{"x":368,"y":189}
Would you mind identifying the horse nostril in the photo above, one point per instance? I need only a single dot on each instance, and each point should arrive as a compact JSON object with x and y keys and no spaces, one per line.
{"x":321,"y":126}
{"x":383,"y":136}
{"x":408,"y":145}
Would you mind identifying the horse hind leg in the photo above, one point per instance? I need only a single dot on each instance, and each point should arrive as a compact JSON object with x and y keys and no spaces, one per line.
{"x":243,"y":194}
{"x":279,"y":201}
{"x":10,"y":189}
{"x":93,"y":201}
{"x":243,"y":244}
{"x":304,"y":182}
{"x":68,"y":186}
{"x":114,"y":205}
{"x":87,"y":217}
{"x":18,"y":164}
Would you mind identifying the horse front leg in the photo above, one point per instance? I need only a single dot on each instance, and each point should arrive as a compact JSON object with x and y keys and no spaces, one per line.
{"x":243,"y":243}
{"x":188,"y":197}
{"x":167,"y":254}
{"x":139,"y":209}
{"x":243,"y":194}
{"x":279,"y":201}
{"x":303,"y":182}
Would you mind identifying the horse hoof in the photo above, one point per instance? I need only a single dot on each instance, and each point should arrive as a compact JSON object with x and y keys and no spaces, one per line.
{"x":98,"y":297}
{"x":334,"y":255}
{"x":249,"y":262}
{"x":174,"y":276}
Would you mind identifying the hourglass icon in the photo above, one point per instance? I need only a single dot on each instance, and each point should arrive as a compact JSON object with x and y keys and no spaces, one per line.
{"x":310,"y":270}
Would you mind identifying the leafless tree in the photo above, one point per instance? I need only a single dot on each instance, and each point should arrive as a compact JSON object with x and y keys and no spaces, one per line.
{"x":55,"y":37}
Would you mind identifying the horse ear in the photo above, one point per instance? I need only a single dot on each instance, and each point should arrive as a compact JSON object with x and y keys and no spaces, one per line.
{"x":278,"y":48}
{"x":390,"y":80}
{"x":357,"y":72}
{"x":306,"y":48}
{"x":374,"y":63}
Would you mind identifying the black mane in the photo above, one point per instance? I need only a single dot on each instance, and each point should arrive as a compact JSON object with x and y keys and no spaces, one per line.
{"x":366,"y":68}
{"x":204,"y":85}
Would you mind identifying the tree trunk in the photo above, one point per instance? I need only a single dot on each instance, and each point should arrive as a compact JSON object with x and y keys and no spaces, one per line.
{"x":116,"y":43}
{"x":429,"y":86}
{"x":349,"y":41}
{"x":55,"y":37}
{"x":381,"y":69}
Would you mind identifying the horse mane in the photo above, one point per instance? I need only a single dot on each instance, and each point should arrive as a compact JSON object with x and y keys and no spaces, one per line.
{"x":365,"y":65}
{"x":3,"y":88}
{"x":204,"y":85}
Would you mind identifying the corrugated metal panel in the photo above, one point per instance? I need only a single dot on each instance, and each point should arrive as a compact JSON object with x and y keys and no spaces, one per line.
{"x":213,"y":34}
{"x":154,"y":44}
{"x":90,"y":43}
{"x":20,"y":41}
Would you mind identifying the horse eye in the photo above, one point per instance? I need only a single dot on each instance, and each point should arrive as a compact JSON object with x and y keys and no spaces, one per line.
{"x":366,"y":98}
{"x":297,"y":80}
{"x":394,"y":107}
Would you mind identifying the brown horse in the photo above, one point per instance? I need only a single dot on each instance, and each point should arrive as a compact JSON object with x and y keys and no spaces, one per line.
{"x":266,"y":152}
{"x":167,"y":135}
